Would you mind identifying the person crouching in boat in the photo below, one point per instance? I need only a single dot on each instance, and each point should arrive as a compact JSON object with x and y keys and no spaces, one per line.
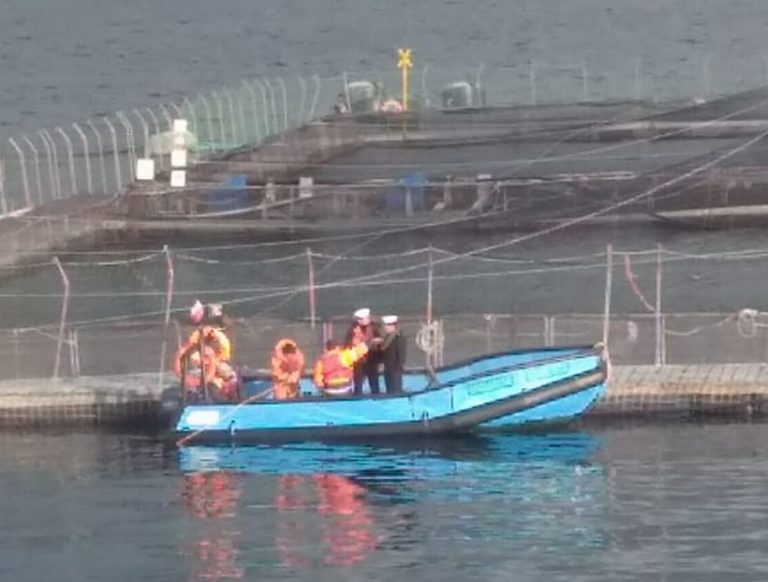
{"x":286,"y":366}
{"x":203,"y":362}
{"x":334,"y":371}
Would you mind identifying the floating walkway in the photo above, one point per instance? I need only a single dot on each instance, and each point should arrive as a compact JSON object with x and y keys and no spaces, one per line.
{"x":736,"y":390}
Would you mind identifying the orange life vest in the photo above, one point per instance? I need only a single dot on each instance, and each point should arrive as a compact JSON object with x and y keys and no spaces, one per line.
{"x":334,"y":373}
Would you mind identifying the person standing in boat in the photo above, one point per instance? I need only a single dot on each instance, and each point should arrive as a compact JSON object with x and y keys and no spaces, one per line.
{"x":334,"y":371}
{"x":393,"y":355}
{"x":287,"y":367}
{"x":362,"y":331}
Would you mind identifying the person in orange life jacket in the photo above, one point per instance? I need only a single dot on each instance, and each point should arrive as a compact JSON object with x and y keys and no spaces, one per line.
{"x":205,"y":356}
{"x":333,"y":372}
{"x":363,"y":330}
{"x":393,"y":355}
{"x":287,"y":366}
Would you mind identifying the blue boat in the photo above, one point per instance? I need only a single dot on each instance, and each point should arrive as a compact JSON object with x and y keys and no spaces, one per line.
{"x":511,"y":389}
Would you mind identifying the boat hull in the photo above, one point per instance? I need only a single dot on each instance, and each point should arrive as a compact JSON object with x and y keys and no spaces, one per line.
{"x":501,"y":390}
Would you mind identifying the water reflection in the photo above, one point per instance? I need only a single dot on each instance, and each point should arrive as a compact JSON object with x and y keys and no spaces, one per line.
{"x":212,"y":498}
{"x":338,"y":506}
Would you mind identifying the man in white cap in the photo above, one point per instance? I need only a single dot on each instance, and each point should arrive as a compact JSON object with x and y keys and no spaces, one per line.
{"x":393,"y":354}
{"x":363,"y":331}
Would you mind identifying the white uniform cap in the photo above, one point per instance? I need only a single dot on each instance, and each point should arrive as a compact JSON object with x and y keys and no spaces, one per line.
{"x":362,"y":313}
{"x":389,"y":319}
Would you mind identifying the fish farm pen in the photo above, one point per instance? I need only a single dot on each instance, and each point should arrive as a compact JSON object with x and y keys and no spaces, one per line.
{"x":486,"y":221}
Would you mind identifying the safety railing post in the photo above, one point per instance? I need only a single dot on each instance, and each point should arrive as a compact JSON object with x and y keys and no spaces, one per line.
{"x":232,"y":123}
{"x":424,"y":93}
{"x":100,"y":144}
{"x":658,"y":359}
{"x":86,"y":157}
{"x":144,"y":132}
{"x":170,"y":275}
{"x":584,"y":80}
{"x":220,"y":111}
{"x":273,"y":105}
{"x":131,"y":143}
{"x":38,"y":172}
{"x":241,"y":116}
{"x":608,"y":293}
{"x":158,"y":136}
{"x":315,"y":98}
{"x":284,"y":91}
{"x":63,"y":318}
{"x":24,"y":178}
{"x":209,"y":119}
{"x":54,"y":157}
{"x":532,"y":82}
{"x":70,"y":159}
{"x":254,"y":106}
{"x":311,"y":289}
{"x":3,"y":201}
{"x":638,"y":79}
{"x":186,"y":103}
{"x":303,"y":102}
{"x":265,"y":107}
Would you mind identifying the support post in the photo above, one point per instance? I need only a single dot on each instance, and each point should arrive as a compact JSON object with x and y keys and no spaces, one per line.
{"x":532,"y":81}
{"x":220,"y":111}
{"x":659,"y":358}
{"x":233,"y":124}
{"x":116,"y":152}
{"x":38,"y":174}
{"x":608,"y":293}
{"x":86,"y":156}
{"x":55,"y":160}
{"x":430,"y":280}
{"x":24,"y":178}
{"x":102,"y":163}
{"x":284,"y":91}
{"x":167,"y":318}
{"x":312,"y":290}
{"x":63,"y":318}
{"x":70,"y":159}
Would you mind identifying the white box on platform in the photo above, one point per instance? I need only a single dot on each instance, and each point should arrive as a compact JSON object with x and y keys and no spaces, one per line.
{"x":145,"y":169}
{"x":178,"y":158}
{"x":178,"y":178}
{"x":306,"y":187}
{"x":180,"y":126}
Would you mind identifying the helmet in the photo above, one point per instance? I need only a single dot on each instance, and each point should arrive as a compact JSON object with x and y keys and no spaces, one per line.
{"x":196,"y":313}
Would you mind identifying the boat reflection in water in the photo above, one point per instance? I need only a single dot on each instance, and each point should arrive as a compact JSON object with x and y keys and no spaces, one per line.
{"x":340,"y":505}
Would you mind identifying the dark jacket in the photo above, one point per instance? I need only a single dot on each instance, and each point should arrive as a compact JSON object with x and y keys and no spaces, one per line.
{"x":394,"y":351}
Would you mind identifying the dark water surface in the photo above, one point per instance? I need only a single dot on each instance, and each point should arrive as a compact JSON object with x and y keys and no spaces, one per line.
{"x":64,"y":60}
{"x":645,"y":503}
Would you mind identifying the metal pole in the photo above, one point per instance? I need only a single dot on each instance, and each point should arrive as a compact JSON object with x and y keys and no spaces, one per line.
{"x":220,"y":109}
{"x":47,"y":137}
{"x":273,"y":105}
{"x":100,"y":145}
{"x":265,"y":106}
{"x":241,"y":115}
{"x":424,"y":94}
{"x":158,"y":135}
{"x":3,"y":201}
{"x":659,"y":329}
{"x":312,"y":289}
{"x":70,"y":158}
{"x":638,"y":88}
{"x":532,"y":79}
{"x":231,"y":105}
{"x":209,"y":117}
{"x":118,"y":177}
{"x":430,"y":278}
{"x":49,"y":154}
{"x":86,"y":155}
{"x":167,"y":318}
{"x":303,"y":85}
{"x":63,"y":319}
{"x":145,"y":131}
{"x":315,"y":98}
{"x":189,"y":105}
{"x":284,"y":90}
{"x":254,"y":107}
{"x":345,"y":80}
{"x":24,"y":178}
{"x":608,"y":293}
{"x":130,"y":142}
{"x":38,"y":174}
{"x":585,"y":80}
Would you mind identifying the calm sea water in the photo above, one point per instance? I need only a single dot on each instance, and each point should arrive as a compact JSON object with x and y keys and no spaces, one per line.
{"x":64,"y":60}
{"x":680,"y":503}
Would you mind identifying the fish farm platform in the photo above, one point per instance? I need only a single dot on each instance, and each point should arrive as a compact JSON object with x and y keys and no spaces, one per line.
{"x":739,"y":390}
